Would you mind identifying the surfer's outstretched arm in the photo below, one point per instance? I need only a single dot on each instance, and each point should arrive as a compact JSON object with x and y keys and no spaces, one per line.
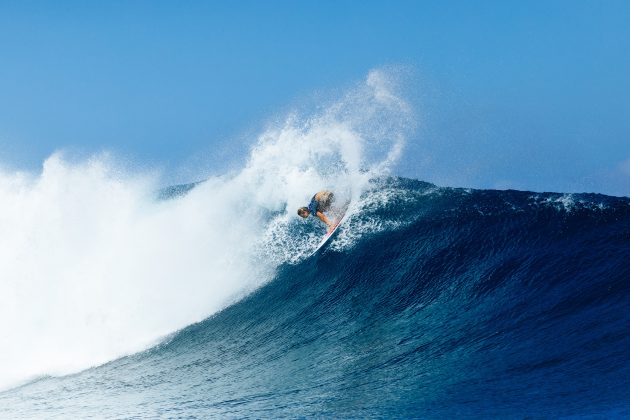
{"x":324,"y":219}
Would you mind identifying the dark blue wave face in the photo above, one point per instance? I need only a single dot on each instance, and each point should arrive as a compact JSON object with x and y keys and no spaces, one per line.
{"x":485,"y":304}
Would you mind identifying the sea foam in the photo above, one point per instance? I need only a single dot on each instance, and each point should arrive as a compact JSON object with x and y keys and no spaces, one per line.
{"x":93,"y":266}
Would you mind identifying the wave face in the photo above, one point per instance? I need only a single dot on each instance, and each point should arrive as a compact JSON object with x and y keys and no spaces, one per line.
{"x":432,"y":302}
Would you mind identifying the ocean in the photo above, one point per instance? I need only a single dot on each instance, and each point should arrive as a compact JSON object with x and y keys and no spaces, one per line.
{"x":453,"y":303}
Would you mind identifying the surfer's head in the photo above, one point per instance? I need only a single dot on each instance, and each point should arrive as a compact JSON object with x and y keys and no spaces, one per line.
{"x":303,"y":212}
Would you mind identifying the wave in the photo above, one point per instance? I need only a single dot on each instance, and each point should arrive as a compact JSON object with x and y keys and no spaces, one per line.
{"x":120,"y":298}
{"x":431,"y":302}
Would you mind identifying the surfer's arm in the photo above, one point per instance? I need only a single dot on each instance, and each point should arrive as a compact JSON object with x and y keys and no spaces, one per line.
{"x":323,"y":218}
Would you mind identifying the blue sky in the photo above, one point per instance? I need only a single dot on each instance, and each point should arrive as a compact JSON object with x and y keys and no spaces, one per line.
{"x":508,"y":94}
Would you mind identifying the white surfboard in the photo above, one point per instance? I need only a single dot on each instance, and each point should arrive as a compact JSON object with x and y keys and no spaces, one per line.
{"x":343,"y":215}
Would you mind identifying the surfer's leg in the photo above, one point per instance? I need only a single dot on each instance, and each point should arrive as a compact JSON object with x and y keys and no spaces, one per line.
{"x":327,"y":201}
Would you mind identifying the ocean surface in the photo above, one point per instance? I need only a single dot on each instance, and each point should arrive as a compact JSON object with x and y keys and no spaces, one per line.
{"x":430,"y":303}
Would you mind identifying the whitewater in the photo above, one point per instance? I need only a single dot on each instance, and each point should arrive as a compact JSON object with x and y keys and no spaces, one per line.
{"x":122,"y":298}
{"x":94,"y":266}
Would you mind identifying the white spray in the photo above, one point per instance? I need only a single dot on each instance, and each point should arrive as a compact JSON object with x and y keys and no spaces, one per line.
{"x":93,"y":267}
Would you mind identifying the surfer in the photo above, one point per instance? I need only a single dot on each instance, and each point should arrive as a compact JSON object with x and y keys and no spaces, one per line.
{"x":319,"y":204}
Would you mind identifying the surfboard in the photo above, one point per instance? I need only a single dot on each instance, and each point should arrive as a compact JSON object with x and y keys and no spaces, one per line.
{"x":342,"y":216}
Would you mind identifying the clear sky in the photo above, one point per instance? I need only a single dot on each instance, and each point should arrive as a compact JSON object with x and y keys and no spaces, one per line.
{"x":508,"y":94}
